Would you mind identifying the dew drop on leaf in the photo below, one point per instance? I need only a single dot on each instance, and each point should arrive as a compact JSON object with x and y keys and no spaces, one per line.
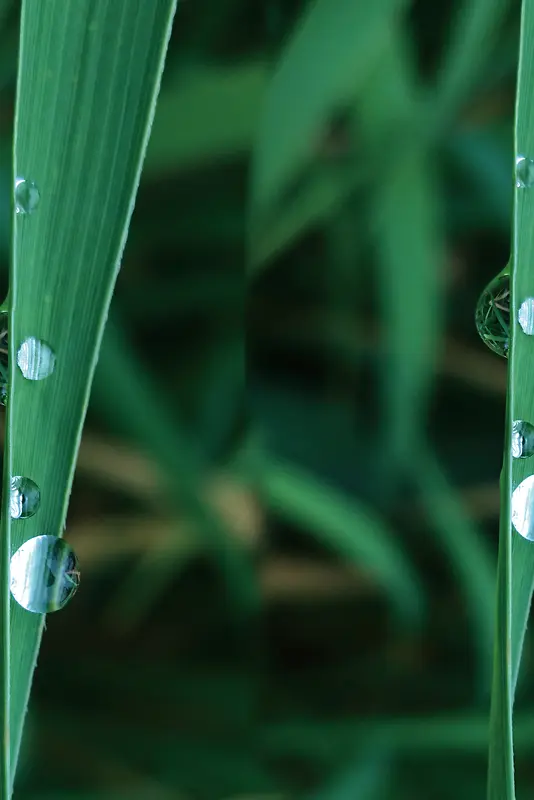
{"x":522,"y":439}
{"x":27,"y":196}
{"x":524,"y":172}
{"x":492,"y":315}
{"x":24,"y":499}
{"x":36,"y":359}
{"x":526,"y":316}
{"x":44,"y":574}
{"x":523,"y":508}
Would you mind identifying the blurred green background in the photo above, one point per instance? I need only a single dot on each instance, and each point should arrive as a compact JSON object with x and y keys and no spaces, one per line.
{"x":286,"y":503}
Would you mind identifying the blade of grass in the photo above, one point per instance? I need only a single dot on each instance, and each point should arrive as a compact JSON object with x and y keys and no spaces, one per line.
{"x":346,"y":526}
{"x":124,"y":391}
{"x":468,"y":554}
{"x":183,"y":133}
{"x":83,"y":116}
{"x":335,"y":48}
{"x":516,"y":556}
{"x":474,"y":36}
{"x":418,"y":736}
{"x":410,"y":247}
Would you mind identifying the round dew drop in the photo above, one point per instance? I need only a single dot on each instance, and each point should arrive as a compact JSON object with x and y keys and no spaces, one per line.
{"x":526,"y":316}
{"x":24,"y":499}
{"x":36,"y":359}
{"x":522,"y":439}
{"x":523,"y":508}
{"x":44,"y":574}
{"x":524,"y":172}
{"x":492,"y":316}
{"x":27,"y":196}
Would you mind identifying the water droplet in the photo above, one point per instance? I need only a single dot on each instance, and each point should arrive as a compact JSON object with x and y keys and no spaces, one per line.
{"x":522,"y":439}
{"x":492,"y":315}
{"x":523,"y":508}
{"x":36,"y":359}
{"x":25,"y":498}
{"x":526,"y":315}
{"x":27,"y":196}
{"x":44,"y":574}
{"x":3,"y":393}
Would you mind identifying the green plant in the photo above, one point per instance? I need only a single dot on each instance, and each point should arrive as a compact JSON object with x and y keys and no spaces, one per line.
{"x":287,"y":548}
{"x":83,"y":115}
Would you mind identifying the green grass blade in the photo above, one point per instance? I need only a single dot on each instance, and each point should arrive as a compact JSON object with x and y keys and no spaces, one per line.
{"x":335,"y":48}
{"x":474,"y":37}
{"x":410,"y":247}
{"x":89,"y":73}
{"x":345,"y":526}
{"x":124,"y":392}
{"x":521,"y":396}
{"x":516,"y":554}
{"x":232,"y":96}
{"x":468,"y":554}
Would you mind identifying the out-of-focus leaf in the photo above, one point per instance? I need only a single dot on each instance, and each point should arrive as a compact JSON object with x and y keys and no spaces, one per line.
{"x":205,"y":114}
{"x":346,"y":527}
{"x":335,"y":48}
{"x":468,"y":553}
{"x":475,"y":34}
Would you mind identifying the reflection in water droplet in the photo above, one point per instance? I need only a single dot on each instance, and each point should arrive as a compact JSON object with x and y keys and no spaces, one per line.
{"x":25,"y":498}
{"x":492,"y":315}
{"x":522,"y":439}
{"x":526,"y":315}
{"x":523,"y":508}
{"x":27,"y":196}
{"x":44,"y":574}
{"x":36,"y":359}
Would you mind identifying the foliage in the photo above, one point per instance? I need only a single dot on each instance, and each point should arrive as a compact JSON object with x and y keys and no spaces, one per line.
{"x":286,"y":499}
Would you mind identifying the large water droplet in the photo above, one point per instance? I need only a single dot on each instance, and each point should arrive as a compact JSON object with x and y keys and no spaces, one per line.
{"x":24,"y":499}
{"x":523,"y":508}
{"x":36,"y":359}
{"x":525,"y":315}
{"x":492,"y":315}
{"x":44,"y":574}
{"x":524,"y":172}
{"x":27,"y":196}
{"x":522,"y":439}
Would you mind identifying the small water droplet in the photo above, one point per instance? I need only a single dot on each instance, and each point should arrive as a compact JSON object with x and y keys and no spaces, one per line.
{"x":526,"y":315}
{"x":36,"y":359}
{"x":27,"y":196}
{"x":492,"y":315}
{"x":44,"y":574}
{"x":25,"y":497}
{"x":523,"y":508}
{"x":522,"y":439}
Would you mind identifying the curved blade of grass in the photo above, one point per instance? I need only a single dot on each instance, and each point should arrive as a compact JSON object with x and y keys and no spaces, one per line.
{"x":474,"y":35}
{"x":419,"y":736}
{"x":127,"y":396}
{"x":335,"y":48}
{"x":367,"y":777}
{"x":231,"y":95}
{"x":467,"y":551}
{"x":347,"y":527}
{"x":89,"y":74}
{"x":516,"y":555}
